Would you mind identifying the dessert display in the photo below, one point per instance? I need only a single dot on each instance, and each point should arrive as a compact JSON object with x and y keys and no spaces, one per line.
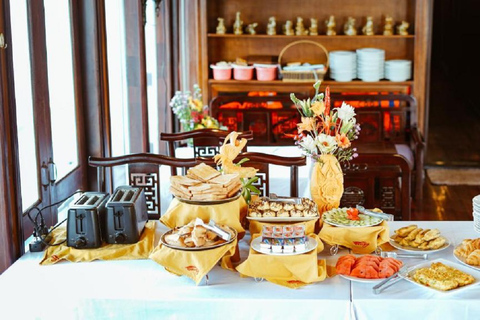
{"x":204,"y":183}
{"x":469,"y":251}
{"x":349,"y":217}
{"x":441,"y":277}
{"x":268,"y":208}
{"x":367,"y":267}
{"x":413,"y":237}
{"x":283,"y":240}
{"x":198,"y":235}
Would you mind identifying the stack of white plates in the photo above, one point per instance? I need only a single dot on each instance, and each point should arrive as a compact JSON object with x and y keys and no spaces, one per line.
{"x":343,"y":65}
{"x":476,"y":213}
{"x":370,"y":64}
{"x":398,"y":70}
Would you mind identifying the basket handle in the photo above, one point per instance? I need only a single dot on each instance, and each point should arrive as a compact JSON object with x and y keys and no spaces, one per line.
{"x":299,"y":42}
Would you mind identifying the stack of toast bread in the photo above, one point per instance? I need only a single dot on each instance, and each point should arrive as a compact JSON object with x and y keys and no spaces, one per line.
{"x":204,"y":183}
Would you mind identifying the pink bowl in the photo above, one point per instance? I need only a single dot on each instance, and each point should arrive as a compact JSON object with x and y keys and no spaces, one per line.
{"x":221,"y":72}
{"x":266,"y":73}
{"x":242,"y":72}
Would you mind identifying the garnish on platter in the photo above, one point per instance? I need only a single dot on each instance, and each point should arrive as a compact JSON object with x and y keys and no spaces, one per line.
{"x":349,"y":217}
{"x":352,"y":214}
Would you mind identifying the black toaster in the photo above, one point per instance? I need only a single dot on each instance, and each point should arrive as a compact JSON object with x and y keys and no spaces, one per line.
{"x":126,"y":215}
{"x":85,"y":220}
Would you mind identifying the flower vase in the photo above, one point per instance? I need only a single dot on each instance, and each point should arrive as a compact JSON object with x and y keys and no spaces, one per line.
{"x":326,"y":184}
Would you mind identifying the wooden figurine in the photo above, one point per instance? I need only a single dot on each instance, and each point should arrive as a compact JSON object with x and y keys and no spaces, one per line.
{"x":313,"y":27}
{"x":221,"y":26}
{"x":238,"y":24}
{"x":331,"y":25}
{"x":272,"y":26}
{"x":402,"y":29}
{"x":299,"y":28}
{"x":368,"y":27}
{"x":349,"y":27}
{"x":388,"y":28}
{"x":250,"y":29}
{"x":288,"y":28}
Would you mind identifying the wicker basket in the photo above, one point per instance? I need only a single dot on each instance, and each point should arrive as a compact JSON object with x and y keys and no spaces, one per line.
{"x":307,"y":75}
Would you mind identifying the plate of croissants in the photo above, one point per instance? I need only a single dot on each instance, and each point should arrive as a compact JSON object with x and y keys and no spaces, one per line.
{"x":468,"y":253}
{"x":194,"y":237}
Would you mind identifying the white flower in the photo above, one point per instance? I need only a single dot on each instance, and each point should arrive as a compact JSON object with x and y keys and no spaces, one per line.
{"x":308,"y":143}
{"x":346,"y":112}
{"x":326,"y":143}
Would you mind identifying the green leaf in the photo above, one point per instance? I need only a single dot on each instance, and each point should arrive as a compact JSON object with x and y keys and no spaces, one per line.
{"x":239,"y":163}
{"x":254,"y":189}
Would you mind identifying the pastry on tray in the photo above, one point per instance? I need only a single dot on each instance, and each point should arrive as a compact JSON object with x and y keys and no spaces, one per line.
{"x":470,"y":250}
{"x":265,"y":208}
{"x":442,"y":277}
{"x":415,"y":237}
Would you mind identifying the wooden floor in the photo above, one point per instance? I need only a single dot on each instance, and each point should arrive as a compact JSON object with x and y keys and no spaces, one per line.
{"x":453,"y":141}
{"x":453,"y":203}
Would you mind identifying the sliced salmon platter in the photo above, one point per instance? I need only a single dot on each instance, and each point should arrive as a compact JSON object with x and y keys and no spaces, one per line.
{"x":367,"y":267}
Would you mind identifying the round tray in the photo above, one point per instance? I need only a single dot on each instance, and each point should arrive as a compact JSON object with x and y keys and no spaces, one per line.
{"x":463,"y":261}
{"x":310,"y":245}
{"x":162,"y":240}
{"x":373,"y":221}
{"x":210,"y":202}
{"x":416,"y":250}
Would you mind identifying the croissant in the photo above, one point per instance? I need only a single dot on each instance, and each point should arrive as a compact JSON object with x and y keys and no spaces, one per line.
{"x":474,"y":258}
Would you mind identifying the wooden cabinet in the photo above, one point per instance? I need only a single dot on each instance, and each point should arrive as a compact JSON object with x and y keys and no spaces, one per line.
{"x":228,"y":47}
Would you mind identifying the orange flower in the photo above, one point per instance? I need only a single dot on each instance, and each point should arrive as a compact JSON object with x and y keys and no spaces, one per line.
{"x":307,"y":124}
{"x":342,"y":141}
{"x":318,"y":107}
{"x":326,"y":126}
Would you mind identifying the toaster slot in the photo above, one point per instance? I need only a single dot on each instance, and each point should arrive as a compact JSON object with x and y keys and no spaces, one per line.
{"x":118,"y":220}
{"x":92,"y":201}
{"x":118,"y":196}
{"x":128,"y":196}
{"x":79,"y":223}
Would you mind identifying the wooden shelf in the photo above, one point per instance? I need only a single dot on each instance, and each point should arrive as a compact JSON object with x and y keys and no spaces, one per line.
{"x":322,"y":37}
{"x":325,"y":82}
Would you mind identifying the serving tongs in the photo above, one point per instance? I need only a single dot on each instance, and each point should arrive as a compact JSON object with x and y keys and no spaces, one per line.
{"x":384,"y":216}
{"x":212,"y":226}
{"x":388,"y":254}
{"x":394,"y":278}
{"x":274,"y":197}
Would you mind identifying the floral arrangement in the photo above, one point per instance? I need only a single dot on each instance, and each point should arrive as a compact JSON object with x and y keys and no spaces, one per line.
{"x":324,"y":130}
{"x":191,"y":112}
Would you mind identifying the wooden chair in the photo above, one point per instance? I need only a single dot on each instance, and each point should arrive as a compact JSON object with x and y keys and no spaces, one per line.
{"x":378,"y":181}
{"x":261,"y":161}
{"x":389,"y":119}
{"x":141,"y":170}
{"x":206,"y":142}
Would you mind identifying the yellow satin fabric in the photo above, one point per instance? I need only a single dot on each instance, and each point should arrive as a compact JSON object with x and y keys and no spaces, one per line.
{"x":360,"y":240}
{"x":139,"y":250}
{"x":193,"y":264}
{"x":290,"y":271}
{"x":230,"y":213}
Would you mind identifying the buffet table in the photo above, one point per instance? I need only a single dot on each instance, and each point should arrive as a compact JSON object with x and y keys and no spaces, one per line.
{"x":142,"y":289}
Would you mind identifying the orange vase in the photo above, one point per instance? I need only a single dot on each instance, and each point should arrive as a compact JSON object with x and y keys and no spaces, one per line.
{"x":326,"y":185}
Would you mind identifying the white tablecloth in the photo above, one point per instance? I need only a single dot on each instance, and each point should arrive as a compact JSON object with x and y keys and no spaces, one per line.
{"x":142,"y":289}
{"x":405,"y":300}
